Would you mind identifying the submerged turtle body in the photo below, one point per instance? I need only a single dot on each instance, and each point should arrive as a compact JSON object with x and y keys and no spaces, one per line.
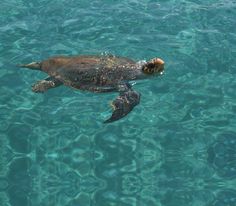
{"x":97,"y":74}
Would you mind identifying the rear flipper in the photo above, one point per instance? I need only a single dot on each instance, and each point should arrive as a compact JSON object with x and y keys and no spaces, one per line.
{"x":124,"y":103}
{"x":43,"y":85}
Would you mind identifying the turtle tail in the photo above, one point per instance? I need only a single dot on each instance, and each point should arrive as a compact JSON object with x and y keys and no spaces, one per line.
{"x":33,"y":65}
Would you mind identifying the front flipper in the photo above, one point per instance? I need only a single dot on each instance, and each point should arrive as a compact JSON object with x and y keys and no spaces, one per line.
{"x":43,"y":85}
{"x":124,"y":103}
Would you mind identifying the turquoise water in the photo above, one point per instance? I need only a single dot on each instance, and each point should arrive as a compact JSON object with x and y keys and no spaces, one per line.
{"x":177,"y":147}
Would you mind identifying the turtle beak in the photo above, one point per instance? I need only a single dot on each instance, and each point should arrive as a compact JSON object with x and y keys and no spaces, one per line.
{"x":159,"y":61}
{"x":159,"y":65}
{"x":33,"y":65}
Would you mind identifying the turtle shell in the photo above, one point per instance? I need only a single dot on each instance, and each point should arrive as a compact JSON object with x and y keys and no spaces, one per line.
{"x":94,"y":70}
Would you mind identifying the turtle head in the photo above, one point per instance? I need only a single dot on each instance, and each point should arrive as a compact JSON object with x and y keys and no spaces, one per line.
{"x":154,"y":66}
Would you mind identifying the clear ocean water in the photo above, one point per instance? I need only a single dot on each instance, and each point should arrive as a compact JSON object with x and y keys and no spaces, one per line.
{"x":176,"y":148}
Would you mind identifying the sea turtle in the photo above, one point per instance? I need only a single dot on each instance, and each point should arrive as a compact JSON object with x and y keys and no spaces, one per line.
{"x":104,"y":73}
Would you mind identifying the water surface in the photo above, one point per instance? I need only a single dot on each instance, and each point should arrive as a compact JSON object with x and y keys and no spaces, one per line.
{"x":178,"y":147}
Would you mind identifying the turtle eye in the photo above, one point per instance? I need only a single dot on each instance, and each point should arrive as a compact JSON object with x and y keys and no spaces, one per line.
{"x":151,"y":65}
{"x":151,"y":68}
